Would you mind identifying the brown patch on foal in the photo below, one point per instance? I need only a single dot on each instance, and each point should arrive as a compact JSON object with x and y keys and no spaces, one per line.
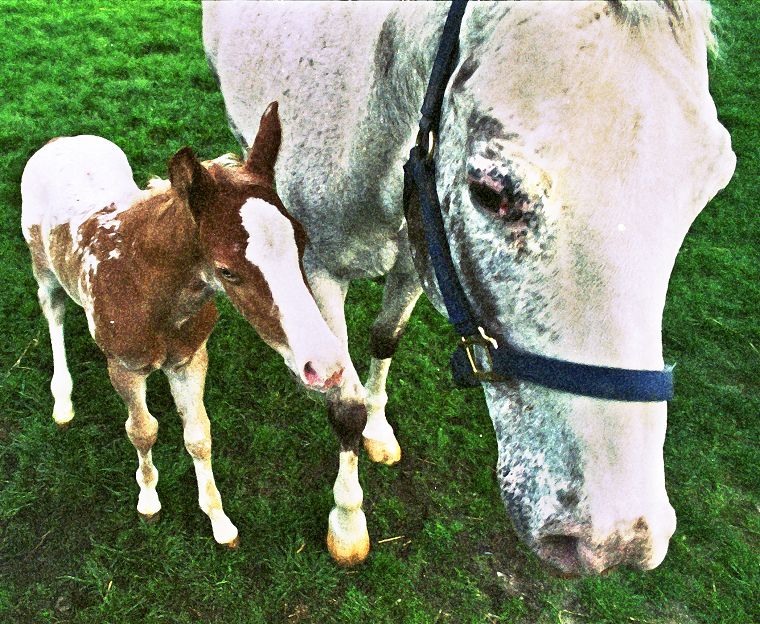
{"x":147,"y":264}
{"x":37,"y":250}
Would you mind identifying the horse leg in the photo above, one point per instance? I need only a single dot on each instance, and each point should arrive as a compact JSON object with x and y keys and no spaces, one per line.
{"x":402,"y":289}
{"x":142,"y":430}
{"x":347,"y":536}
{"x":52,"y":299}
{"x":187,"y":384}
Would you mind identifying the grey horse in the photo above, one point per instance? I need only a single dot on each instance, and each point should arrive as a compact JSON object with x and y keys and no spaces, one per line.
{"x":578,"y":142}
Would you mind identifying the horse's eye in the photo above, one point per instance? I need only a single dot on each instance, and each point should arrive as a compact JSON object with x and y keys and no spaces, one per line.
{"x":485,"y":197}
{"x":229,"y":275}
{"x":507,"y":205}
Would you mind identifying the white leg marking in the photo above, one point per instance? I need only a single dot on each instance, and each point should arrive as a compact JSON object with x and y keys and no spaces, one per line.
{"x":379,"y":439}
{"x":148,"y":504}
{"x":402,"y":289}
{"x":347,"y":537}
{"x":142,"y":431}
{"x":187,"y":386}
{"x":53,"y":307}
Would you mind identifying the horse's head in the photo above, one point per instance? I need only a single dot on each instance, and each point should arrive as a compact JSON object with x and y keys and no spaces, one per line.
{"x":578,"y":143}
{"x":254,"y":249}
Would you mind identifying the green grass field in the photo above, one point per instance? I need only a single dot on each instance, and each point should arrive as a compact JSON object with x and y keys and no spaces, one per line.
{"x":72,"y":548}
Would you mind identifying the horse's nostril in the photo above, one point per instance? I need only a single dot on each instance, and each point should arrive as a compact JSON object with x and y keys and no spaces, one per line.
{"x":560,"y":551}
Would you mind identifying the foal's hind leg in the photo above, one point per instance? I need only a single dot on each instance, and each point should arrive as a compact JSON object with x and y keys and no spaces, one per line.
{"x":52,"y":299}
{"x":142,"y":430}
{"x":402,"y":289}
{"x":187,"y":385}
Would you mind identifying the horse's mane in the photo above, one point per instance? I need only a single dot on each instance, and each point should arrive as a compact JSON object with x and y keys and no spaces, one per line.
{"x":685,"y":19}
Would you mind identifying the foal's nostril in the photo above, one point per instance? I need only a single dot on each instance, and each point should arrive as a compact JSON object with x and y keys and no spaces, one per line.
{"x":310,"y":375}
{"x":334,"y":379}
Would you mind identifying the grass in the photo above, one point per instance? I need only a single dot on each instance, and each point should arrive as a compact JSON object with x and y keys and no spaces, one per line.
{"x":71,"y":546}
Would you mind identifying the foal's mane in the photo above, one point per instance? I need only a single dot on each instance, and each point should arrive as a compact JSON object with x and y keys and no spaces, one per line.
{"x":686,"y":19}
{"x":158,"y":185}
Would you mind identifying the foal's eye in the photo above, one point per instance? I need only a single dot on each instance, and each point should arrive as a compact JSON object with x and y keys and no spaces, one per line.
{"x":228,"y":275}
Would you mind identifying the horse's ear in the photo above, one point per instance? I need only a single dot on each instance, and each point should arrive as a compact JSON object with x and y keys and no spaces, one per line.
{"x":263,"y":154}
{"x":190,"y":180}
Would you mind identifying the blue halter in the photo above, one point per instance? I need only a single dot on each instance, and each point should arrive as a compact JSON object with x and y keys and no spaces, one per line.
{"x":480,"y":357}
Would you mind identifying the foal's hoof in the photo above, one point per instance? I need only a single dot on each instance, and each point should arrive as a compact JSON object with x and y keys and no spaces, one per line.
{"x":151,"y":518}
{"x":233,"y":545}
{"x":63,"y":415}
{"x":383,"y":452}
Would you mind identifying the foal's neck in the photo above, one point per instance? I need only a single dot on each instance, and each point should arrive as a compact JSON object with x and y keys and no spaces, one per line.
{"x":167,"y":246}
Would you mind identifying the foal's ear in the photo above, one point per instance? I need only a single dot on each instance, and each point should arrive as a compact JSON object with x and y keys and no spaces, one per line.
{"x":263,"y":154}
{"x":189,"y":179}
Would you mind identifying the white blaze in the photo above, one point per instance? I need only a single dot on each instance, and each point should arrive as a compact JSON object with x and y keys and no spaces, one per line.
{"x":272,"y":249}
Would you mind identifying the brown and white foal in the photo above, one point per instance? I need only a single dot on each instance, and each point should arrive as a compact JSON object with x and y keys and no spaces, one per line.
{"x":145,"y":265}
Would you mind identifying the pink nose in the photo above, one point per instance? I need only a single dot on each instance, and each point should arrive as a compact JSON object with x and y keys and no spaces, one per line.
{"x":313,"y":378}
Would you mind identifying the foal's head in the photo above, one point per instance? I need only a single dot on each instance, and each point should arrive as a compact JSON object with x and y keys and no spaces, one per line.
{"x":254,"y":252}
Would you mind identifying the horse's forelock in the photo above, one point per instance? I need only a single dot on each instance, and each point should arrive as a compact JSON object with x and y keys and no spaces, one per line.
{"x":687,"y":20}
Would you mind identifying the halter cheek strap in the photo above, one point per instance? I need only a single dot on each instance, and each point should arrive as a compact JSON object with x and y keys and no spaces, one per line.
{"x":480,"y":357}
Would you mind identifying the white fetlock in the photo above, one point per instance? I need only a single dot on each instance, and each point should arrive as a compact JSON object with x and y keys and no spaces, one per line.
{"x":379,"y":440}
{"x":63,"y":413}
{"x":347,"y":536}
{"x":225,"y":532}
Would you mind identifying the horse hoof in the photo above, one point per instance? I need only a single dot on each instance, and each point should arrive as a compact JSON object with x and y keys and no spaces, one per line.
{"x":382,"y":452}
{"x":63,"y":426}
{"x":234,"y":544}
{"x":347,"y":550}
{"x":151,"y":518}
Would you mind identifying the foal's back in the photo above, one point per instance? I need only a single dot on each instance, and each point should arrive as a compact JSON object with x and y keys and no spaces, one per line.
{"x":70,"y":178}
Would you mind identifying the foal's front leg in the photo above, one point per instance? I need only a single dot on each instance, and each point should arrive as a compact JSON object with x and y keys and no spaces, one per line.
{"x":142,"y":430}
{"x":187,"y":384}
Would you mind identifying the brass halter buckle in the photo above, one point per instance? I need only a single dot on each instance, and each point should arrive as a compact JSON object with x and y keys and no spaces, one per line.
{"x":427,"y":143}
{"x":480,"y":340}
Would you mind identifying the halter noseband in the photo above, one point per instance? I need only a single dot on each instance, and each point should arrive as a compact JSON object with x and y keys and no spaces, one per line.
{"x":502,"y":361}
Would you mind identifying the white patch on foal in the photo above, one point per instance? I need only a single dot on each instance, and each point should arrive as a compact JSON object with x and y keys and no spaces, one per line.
{"x":80,"y":190}
{"x":272,"y":249}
